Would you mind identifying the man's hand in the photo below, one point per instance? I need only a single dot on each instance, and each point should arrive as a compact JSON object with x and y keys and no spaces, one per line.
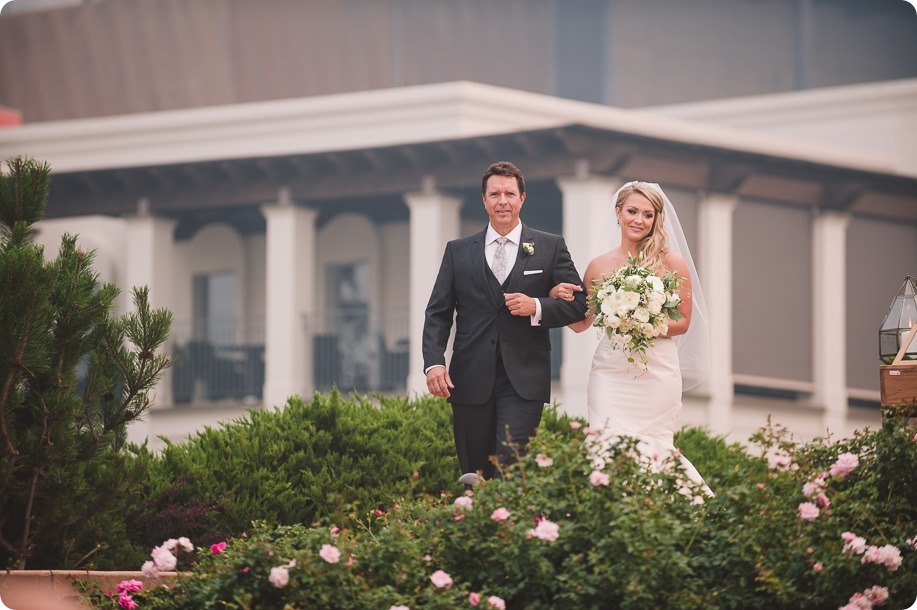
{"x":439,"y":382}
{"x":519,"y":304}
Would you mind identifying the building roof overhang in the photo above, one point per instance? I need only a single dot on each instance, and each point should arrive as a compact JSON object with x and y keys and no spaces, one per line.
{"x":389,"y":142}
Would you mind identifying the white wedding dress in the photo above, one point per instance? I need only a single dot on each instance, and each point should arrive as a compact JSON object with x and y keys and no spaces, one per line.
{"x":644,"y":402}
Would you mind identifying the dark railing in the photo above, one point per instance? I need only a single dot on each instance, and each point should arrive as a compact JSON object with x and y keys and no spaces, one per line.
{"x":353,"y":349}
{"x":357,"y":349}
{"x":218,"y":360}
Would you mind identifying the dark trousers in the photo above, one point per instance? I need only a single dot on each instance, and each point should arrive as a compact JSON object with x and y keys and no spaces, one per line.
{"x":506,"y":421}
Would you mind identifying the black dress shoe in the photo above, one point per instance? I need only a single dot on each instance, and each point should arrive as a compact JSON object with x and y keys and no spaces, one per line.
{"x":470,"y":478}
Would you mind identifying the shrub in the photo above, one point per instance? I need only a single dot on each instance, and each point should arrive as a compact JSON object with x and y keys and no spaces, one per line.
{"x":322,"y":461}
{"x":569,"y":537}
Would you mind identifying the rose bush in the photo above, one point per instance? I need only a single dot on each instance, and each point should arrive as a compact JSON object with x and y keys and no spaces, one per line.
{"x":554,"y":534}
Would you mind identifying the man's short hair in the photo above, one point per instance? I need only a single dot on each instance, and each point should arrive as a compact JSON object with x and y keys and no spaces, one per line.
{"x":503,"y":168}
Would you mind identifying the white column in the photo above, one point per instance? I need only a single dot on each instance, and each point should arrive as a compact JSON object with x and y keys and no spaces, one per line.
{"x":290,"y":283}
{"x":587,"y":214}
{"x":148,"y":263}
{"x":829,"y":315}
{"x":434,"y":221}
{"x":715,"y":245}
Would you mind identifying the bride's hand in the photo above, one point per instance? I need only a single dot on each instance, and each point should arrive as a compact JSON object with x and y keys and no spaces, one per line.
{"x":564,"y":291}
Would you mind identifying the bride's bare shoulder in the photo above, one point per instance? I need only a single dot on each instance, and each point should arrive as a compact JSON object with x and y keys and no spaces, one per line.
{"x":604,"y":264}
{"x":673,"y":261}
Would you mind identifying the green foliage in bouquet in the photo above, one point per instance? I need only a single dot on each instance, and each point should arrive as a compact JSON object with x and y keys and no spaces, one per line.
{"x":569,"y":527}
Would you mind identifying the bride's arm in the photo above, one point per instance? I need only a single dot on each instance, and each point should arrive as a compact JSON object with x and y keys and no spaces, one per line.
{"x":589,"y":280}
{"x":675,"y":263}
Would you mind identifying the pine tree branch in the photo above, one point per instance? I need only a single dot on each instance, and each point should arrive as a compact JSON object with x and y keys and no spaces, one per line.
{"x":7,"y":386}
{"x":27,"y":520}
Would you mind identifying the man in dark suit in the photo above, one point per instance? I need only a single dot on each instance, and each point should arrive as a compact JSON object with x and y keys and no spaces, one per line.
{"x":497,"y":283}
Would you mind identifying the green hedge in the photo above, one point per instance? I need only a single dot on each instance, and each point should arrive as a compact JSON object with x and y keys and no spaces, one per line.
{"x":324,"y":460}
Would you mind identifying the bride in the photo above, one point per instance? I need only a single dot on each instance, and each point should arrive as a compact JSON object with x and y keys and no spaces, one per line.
{"x":635,"y":398}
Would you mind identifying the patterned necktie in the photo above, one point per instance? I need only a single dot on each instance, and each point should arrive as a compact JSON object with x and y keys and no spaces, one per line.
{"x":499,"y":265}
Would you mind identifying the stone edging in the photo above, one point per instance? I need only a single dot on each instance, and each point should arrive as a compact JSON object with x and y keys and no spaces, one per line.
{"x":47,"y":589}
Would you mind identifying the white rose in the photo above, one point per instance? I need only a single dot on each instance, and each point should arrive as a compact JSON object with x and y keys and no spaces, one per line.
{"x":641,"y":314}
{"x":655,"y":283}
{"x":612,"y":321}
{"x":649,"y":330}
{"x":608,"y":307}
{"x":654,"y":305}
{"x":633,"y":281}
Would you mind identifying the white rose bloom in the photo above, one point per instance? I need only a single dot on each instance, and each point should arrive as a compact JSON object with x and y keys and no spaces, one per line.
{"x":649,"y":330}
{"x":641,"y":314}
{"x":633,"y":281}
{"x":608,"y":307}
{"x":655,"y":283}
{"x":612,"y":321}
{"x":632,"y":299}
{"x":654,"y":306}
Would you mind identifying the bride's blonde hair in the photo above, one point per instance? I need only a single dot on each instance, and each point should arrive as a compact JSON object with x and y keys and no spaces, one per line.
{"x":655,"y":245}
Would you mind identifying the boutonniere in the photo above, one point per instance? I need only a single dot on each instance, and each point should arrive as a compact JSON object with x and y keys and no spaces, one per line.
{"x":529,"y":248}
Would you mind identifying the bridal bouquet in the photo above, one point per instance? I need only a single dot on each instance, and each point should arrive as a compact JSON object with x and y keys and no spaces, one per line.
{"x":633,"y":306}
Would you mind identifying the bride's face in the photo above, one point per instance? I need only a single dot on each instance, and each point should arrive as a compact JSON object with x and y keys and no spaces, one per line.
{"x":636,"y":216}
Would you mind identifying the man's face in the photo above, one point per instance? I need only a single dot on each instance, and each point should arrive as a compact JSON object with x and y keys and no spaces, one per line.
{"x":503,"y":202}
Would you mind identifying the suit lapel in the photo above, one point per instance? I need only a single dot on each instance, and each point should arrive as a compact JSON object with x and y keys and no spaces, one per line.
{"x":522,"y":259}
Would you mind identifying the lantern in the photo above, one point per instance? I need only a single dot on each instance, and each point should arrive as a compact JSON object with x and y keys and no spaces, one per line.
{"x":898,"y":349}
{"x":902,"y":314}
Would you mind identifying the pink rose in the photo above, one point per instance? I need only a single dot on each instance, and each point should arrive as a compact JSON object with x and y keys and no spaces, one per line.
{"x":441,"y":580}
{"x":857,"y":602}
{"x":335,"y":530}
{"x":463,"y":502}
{"x":217,"y":548}
{"x":163,"y":558}
{"x":808,"y":511}
{"x":279,"y":577}
{"x":185,"y":544}
{"x":857,"y":544}
{"x":129,"y":586}
{"x":496,"y":602}
{"x":822,"y":500}
{"x":330,"y":553}
{"x":888,"y":555}
{"x":576,"y":426}
{"x":543,"y":461}
{"x":780,"y":461}
{"x":126,"y":601}
{"x":597,"y":477}
{"x":813,"y":487}
{"x":545,"y":530}
{"x":760,"y":485}
{"x":876,"y":594}
{"x":500,"y":515}
{"x":150,"y":570}
{"x":818,"y":567}
{"x":474,"y":598}
{"x":845,"y":464}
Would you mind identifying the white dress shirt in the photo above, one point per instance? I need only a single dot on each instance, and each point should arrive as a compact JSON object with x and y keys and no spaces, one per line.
{"x":514,"y":237}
